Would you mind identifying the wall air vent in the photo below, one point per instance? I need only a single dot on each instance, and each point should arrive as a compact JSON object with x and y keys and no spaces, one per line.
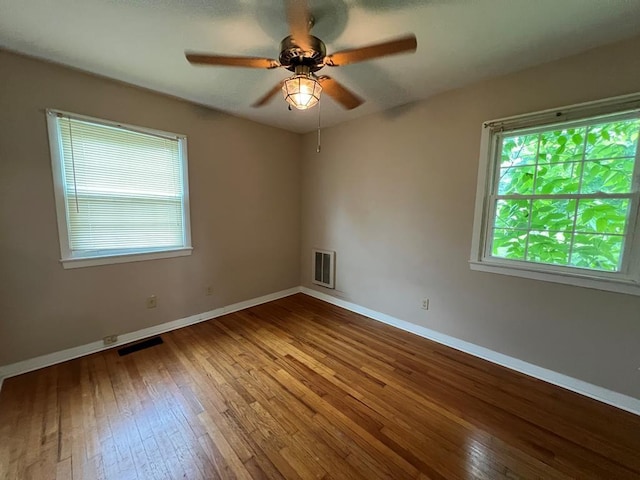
{"x":324,"y":263}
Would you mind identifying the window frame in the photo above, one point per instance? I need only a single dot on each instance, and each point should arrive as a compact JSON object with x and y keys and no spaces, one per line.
{"x":69,"y":259}
{"x":627,"y":280}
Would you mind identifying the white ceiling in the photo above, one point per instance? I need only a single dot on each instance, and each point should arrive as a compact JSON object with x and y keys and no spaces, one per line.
{"x":459,"y":41}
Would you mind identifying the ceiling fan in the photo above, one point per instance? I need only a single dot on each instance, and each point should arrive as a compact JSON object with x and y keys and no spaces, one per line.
{"x":304,"y":55}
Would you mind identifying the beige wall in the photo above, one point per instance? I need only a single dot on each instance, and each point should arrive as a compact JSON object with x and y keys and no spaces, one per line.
{"x":245,"y":217}
{"x":393,"y":194}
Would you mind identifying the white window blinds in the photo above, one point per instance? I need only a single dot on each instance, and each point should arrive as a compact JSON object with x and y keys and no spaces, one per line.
{"x":124,"y":190}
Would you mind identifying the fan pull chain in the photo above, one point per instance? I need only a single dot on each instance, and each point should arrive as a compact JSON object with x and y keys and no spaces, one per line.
{"x":318,"y":148}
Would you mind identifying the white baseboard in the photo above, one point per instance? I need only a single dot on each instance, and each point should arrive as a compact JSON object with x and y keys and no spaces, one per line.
{"x":36,"y":363}
{"x":601,"y":394}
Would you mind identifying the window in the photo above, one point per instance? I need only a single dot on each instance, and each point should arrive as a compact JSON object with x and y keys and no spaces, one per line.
{"x":121,"y":191}
{"x":558,"y":196}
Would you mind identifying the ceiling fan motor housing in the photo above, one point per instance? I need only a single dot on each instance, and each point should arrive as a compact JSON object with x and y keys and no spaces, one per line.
{"x":292,"y":56}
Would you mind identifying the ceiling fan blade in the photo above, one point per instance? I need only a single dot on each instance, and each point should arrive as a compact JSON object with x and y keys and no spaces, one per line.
{"x":250,"y":62}
{"x":340,"y":94}
{"x":299,"y":20}
{"x":266,"y":98}
{"x":399,"y":45}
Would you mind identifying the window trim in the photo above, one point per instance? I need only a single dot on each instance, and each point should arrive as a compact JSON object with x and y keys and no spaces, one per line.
{"x":68,"y":258}
{"x":628,"y":280}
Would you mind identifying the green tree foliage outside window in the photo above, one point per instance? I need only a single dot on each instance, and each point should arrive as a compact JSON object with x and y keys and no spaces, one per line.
{"x":563,"y":196}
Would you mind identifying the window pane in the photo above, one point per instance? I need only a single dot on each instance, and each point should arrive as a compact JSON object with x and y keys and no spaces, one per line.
{"x":546,"y":174}
{"x":123,"y":189}
{"x":562,"y":145}
{"x":519,"y":150}
{"x":602,"y":215}
{"x":597,"y":252}
{"x":555,"y":215}
{"x":608,"y":176}
{"x":103,"y":223}
{"x":113,"y":160}
{"x":516,"y":180}
{"x":546,"y":247}
{"x":558,"y":178}
{"x":512,"y":214}
{"x":613,"y":140}
{"x":509,"y":243}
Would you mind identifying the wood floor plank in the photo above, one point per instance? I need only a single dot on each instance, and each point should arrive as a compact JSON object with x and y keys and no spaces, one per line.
{"x":63,"y":470}
{"x":298,"y":388}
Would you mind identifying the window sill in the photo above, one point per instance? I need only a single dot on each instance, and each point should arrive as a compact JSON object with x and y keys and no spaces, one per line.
{"x":79,"y":262}
{"x":621,"y":285}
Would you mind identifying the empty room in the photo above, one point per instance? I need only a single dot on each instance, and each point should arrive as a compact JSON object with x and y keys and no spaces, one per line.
{"x":319,"y":239}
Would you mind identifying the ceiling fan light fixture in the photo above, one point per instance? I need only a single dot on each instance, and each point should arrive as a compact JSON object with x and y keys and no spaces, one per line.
{"x":304,"y":55}
{"x":301,"y":91}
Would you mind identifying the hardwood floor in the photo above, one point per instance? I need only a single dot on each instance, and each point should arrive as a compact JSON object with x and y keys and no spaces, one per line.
{"x":298,"y":388}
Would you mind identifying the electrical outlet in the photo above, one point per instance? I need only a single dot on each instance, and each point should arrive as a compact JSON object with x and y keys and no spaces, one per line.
{"x":209,"y":290}
{"x":425,"y":303}
{"x":110,"y":339}
{"x":152,"y":301}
